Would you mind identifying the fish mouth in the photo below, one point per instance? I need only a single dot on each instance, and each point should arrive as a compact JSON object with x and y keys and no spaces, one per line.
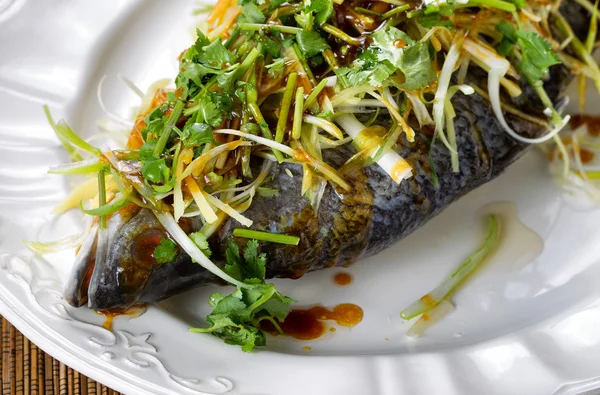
{"x":76,"y":289}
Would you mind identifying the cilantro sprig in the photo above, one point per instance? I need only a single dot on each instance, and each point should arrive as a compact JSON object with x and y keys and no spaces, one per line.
{"x":236,"y":318}
{"x":392,"y":52}
{"x":535,"y":52}
{"x":166,"y":251}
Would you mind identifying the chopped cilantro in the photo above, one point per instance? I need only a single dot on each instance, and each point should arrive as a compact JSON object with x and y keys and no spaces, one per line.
{"x":155,"y":121}
{"x":165,"y":252}
{"x":536,"y":53}
{"x":202,"y":61}
{"x":271,"y":47}
{"x":311,"y":42}
{"x":195,"y":133}
{"x":276,"y":68}
{"x":251,"y":14}
{"x":236,"y":318}
{"x":153,"y":169}
{"x":156,"y":170}
{"x":415,"y":63}
{"x":392,"y":50}
{"x":200,"y":240}
{"x":207,"y":111}
{"x":216,"y":55}
{"x":432,"y":20}
{"x":305,"y":20}
{"x":171,"y":98}
{"x":323,"y":9}
{"x":288,"y":42}
{"x":537,"y":56}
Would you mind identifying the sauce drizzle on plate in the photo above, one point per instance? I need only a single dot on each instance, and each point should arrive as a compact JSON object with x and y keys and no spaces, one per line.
{"x":307,"y":324}
{"x":342,"y":279}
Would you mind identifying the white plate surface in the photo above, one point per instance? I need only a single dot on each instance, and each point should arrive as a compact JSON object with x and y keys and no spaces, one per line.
{"x":521,"y":327}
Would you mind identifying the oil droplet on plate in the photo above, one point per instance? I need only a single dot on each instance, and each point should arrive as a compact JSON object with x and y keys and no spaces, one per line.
{"x":308,"y":324}
{"x":519,"y":245}
{"x":306,"y":348}
{"x":110,"y":315}
{"x":342,"y":279}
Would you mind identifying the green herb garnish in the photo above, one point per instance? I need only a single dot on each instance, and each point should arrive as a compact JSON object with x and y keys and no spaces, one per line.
{"x":536,"y":53}
{"x":236,"y":318}
{"x":166,"y":251}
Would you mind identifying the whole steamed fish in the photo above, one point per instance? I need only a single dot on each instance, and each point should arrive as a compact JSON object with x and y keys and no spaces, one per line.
{"x":337,"y":224}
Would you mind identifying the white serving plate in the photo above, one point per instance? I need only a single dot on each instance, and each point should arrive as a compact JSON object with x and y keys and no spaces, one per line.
{"x":526,"y":328}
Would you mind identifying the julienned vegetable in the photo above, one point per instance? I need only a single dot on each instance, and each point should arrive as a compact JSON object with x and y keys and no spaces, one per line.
{"x":427,"y":304}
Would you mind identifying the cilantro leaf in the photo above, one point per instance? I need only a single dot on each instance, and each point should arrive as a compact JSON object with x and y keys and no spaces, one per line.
{"x":278,"y":307}
{"x":537,"y":56}
{"x":311,"y":42}
{"x":155,"y":122}
{"x":216,"y":55}
{"x":271,"y":47}
{"x":255,"y":262}
{"x":432,"y":20}
{"x":229,"y":304}
{"x":165,"y":252}
{"x":305,"y":20}
{"x":236,"y":318}
{"x":416,"y":65}
{"x":390,"y":43}
{"x":147,"y":151}
{"x":234,"y":262}
{"x":201,"y":40}
{"x":276,"y":68}
{"x":201,"y":242}
{"x":156,"y":170}
{"x":323,"y":9}
{"x":201,"y":61}
{"x":536,"y":53}
{"x":251,"y":14}
{"x":208,"y":112}
{"x":392,"y":50}
{"x":362,"y":72}
{"x":196,"y":133}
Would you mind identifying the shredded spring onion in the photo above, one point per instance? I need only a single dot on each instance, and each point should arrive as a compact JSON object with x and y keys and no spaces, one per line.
{"x":227,"y":209}
{"x":171,"y":226}
{"x":440,"y":95}
{"x":449,"y":286}
{"x":82,"y":167}
{"x":390,"y":162}
{"x":266,"y":236}
{"x":430,"y":318}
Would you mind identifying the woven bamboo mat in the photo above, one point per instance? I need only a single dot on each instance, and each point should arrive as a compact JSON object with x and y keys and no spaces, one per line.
{"x":28,"y":370}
